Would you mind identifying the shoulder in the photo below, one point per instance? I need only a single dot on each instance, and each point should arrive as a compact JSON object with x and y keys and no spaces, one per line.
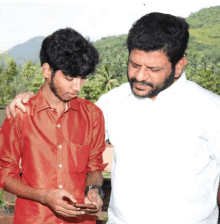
{"x":88,"y":106}
{"x":121,"y":91}
{"x":202,"y":94}
{"x":116,"y":94}
{"x":205,"y":101}
{"x":29,"y":106}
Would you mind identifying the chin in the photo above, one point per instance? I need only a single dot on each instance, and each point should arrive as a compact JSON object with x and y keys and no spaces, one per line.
{"x":140,"y":93}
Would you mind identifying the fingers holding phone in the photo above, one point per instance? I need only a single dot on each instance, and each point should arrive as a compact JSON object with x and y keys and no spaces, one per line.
{"x":94,"y":198}
{"x":87,"y":208}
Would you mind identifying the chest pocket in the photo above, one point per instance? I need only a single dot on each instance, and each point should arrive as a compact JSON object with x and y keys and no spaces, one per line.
{"x":78,"y":157}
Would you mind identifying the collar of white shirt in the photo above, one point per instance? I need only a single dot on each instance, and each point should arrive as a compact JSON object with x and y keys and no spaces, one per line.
{"x":175,"y":89}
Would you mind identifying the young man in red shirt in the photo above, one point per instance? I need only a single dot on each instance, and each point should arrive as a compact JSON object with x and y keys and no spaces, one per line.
{"x":60,"y":140}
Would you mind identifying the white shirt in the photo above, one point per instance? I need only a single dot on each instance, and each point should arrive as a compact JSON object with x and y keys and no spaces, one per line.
{"x":167,"y":155}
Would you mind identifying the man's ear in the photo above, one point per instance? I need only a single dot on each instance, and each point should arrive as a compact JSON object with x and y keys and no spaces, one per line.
{"x":46,"y":70}
{"x":180,"y":66}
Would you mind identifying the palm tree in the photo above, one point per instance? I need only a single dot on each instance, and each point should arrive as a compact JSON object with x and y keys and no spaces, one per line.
{"x":105,"y":79}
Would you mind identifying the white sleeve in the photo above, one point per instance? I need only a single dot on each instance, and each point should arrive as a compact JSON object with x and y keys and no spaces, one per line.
{"x":102,"y":103}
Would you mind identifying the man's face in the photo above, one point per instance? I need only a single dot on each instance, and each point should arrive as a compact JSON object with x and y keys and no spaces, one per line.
{"x":149,"y":73}
{"x":65,"y":87}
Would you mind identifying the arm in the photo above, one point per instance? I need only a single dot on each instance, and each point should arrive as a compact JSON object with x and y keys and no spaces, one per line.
{"x":18,"y":102}
{"x":95,"y":163}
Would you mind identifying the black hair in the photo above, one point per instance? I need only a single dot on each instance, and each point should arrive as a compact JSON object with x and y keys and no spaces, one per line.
{"x":70,"y":52}
{"x":158,"y":31}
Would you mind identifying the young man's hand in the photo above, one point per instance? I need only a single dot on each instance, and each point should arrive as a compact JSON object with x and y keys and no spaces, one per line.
{"x":54,"y":199}
{"x":18,"y":102}
{"x":94,"y":198}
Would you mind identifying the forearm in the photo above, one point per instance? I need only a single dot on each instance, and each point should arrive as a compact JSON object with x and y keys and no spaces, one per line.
{"x":20,"y":189}
{"x":94,"y":178}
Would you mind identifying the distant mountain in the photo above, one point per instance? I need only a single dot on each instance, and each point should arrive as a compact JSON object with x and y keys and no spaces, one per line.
{"x":23,"y":52}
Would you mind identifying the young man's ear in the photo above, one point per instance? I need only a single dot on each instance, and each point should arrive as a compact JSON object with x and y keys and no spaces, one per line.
{"x":46,"y":70}
{"x":180,"y":66}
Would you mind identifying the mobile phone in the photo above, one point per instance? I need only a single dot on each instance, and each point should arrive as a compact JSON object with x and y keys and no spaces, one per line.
{"x":84,"y":206}
{"x":77,"y":205}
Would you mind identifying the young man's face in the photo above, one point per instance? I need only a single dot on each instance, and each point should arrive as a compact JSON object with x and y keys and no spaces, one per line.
{"x":149,"y":72}
{"x":65,"y":87}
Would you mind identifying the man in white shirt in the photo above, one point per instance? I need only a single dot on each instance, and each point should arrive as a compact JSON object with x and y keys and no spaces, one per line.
{"x":165,"y":131}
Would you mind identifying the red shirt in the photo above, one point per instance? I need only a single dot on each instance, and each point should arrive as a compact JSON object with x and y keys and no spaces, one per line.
{"x":55,"y":152}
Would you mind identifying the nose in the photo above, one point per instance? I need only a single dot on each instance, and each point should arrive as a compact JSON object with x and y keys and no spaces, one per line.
{"x":77,"y":84}
{"x":142,"y":74}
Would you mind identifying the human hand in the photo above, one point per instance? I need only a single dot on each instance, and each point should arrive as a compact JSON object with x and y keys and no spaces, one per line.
{"x":54,"y":199}
{"x":18,"y":101}
{"x":94,"y":198}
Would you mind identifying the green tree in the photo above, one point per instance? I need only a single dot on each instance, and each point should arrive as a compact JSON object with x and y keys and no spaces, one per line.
{"x":26,"y":76}
{"x":38,"y":80}
{"x":90,"y":91}
{"x":208,"y":80}
{"x":7,"y":91}
{"x":105,"y":80}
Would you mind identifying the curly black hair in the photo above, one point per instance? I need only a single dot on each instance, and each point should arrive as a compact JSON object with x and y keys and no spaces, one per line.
{"x":70,"y":52}
{"x":158,"y":31}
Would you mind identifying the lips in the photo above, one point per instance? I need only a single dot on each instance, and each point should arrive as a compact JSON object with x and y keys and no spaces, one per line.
{"x":73,"y":94}
{"x":140,"y":86}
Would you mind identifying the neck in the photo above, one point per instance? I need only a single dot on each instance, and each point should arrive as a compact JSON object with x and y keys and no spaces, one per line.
{"x":52,"y":99}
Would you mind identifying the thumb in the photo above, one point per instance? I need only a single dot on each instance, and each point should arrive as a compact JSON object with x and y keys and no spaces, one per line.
{"x":69,"y":196}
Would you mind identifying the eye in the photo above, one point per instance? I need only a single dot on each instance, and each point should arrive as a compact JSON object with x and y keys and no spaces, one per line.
{"x":156,"y":69}
{"x":69,"y":78}
{"x":134,"y":65}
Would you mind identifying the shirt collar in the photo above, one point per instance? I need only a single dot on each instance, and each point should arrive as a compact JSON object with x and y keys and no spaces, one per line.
{"x":174,"y":89}
{"x":42,"y":104}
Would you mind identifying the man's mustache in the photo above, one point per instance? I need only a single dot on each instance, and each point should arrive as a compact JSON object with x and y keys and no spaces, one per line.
{"x":134,"y":80}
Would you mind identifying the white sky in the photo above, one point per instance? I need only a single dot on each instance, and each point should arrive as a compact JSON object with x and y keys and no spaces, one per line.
{"x":23,"y":20}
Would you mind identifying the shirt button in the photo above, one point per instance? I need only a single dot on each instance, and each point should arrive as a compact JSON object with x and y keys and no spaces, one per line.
{"x":60,"y":165}
{"x":59,"y":146}
{"x":58,"y":125}
{"x":60,"y":186}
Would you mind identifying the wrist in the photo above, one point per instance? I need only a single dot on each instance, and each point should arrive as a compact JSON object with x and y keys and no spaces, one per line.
{"x":43,"y":196}
{"x":97,"y":188}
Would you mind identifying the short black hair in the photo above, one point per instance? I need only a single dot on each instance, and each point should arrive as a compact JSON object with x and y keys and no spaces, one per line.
{"x":158,"y":31}
{"x":69,"y":51}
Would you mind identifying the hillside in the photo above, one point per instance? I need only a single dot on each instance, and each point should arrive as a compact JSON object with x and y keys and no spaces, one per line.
{"x":25,"y":51}
{"x":205,"y":32}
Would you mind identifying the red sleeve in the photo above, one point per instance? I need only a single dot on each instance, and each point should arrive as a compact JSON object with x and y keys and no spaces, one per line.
{"x":10,"y":150}
{"x":95,"y":161}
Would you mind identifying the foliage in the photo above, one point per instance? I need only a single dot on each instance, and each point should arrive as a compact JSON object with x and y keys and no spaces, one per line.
{"x":4,"y":58}
{"x":106,"y":174}
{"x":38,"y":80}
{"x":7,"y":76}
{"x":1,"y":197}
{"x":106,"y":218}
{"x":204,"y":18}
